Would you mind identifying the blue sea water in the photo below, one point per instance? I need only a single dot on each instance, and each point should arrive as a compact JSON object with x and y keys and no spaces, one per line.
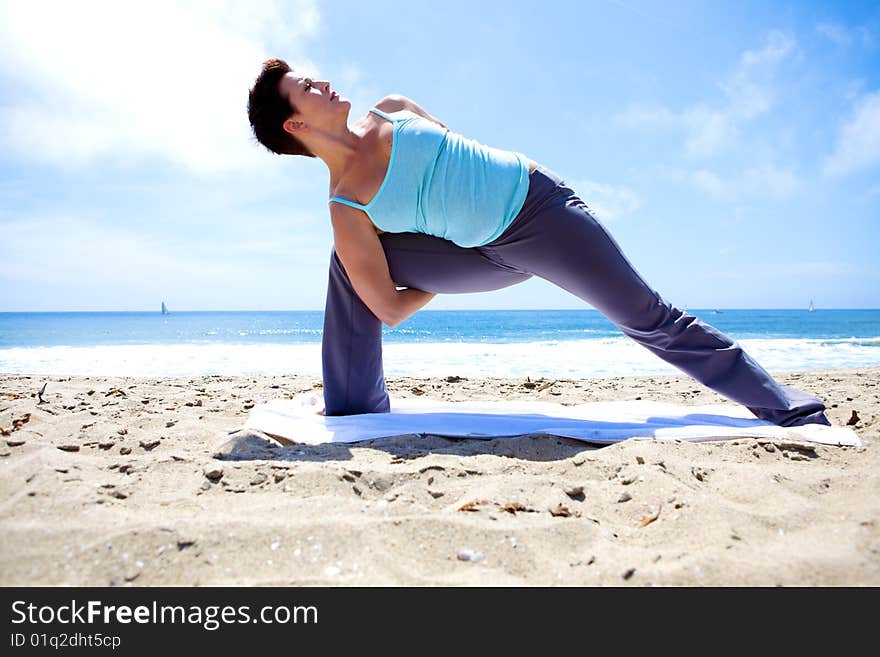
{"x":500,"y":343}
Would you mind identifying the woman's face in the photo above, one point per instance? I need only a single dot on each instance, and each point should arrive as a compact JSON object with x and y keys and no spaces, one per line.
{"x":316,"y":102}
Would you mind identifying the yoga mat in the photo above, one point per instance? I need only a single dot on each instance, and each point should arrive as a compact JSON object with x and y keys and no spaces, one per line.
{"x":595,"y":422}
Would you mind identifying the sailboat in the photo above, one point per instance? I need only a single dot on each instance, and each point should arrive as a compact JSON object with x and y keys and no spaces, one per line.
{"x":811,"y":308}
{"x":164,"y":309}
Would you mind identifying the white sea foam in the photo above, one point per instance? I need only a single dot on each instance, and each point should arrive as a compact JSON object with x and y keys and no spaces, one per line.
{"x":565,"y":359}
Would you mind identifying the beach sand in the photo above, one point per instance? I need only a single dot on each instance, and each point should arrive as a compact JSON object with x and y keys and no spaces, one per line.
{"x":113,"y":481}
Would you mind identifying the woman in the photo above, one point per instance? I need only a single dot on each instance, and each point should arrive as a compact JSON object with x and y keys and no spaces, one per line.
{"x":415,"y":205}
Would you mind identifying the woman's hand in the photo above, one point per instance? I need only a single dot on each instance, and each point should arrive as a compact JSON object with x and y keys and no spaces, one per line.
{"x":409,"y":300}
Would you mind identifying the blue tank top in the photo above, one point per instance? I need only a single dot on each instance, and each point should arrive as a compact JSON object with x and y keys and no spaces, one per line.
{"x":446,"y":185}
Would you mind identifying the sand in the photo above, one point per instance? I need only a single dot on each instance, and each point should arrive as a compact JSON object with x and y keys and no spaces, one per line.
{"x":114,"y":481}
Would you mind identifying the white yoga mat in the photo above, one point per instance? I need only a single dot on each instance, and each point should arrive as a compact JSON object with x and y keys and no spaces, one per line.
{"x":596,"y":422}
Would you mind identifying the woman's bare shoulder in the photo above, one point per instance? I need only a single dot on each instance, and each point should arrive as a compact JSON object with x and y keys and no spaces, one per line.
{"x":395,"y":104}
{"x":391,"y":103}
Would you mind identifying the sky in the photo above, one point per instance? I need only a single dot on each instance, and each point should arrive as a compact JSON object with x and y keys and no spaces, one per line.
{"x":732,"y":149}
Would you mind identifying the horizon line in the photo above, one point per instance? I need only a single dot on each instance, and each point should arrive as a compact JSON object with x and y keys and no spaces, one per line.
{"x":425,"y":310}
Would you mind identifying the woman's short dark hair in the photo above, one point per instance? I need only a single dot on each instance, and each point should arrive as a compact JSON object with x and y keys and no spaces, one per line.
{"x":268,"y":110}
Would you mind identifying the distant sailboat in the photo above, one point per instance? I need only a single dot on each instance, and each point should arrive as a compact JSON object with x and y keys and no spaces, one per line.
{"x":164,"y":309}
{"x":718,"y":312}
{"x":811,"y":308}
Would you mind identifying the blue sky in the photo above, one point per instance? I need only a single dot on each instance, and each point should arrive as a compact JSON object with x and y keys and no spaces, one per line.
{"x":731,"y":148}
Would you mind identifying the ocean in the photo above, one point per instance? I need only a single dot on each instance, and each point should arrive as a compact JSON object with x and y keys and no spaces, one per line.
{"x":561,"y":344}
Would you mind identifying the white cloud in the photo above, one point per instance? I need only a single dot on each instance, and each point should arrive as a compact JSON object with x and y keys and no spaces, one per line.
{"x":834,"y":32}
{"x":608,"y":202}
{"x":810,"y":268}
{"x":125,"y":80}
{"x":871,"y":193}
{"x":748,"y":93}
{"x":54,"y":248}
{"x":795,"y":270}
{"x":710,"y":183}
{"x":708,"y":130}
{"x":858,"y":141}
{"x":845,"y":36}
{"x":84,"y":262}
{"x":749,"y":90}
{"x":771,"y":181}
{"x":646,"y":116}
{"x":764,"y":180}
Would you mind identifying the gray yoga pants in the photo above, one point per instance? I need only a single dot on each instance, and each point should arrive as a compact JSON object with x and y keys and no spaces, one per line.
{"x":555,"y":237}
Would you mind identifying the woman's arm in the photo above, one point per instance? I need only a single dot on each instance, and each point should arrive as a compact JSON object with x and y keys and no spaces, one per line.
{"x":363,"y":259}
